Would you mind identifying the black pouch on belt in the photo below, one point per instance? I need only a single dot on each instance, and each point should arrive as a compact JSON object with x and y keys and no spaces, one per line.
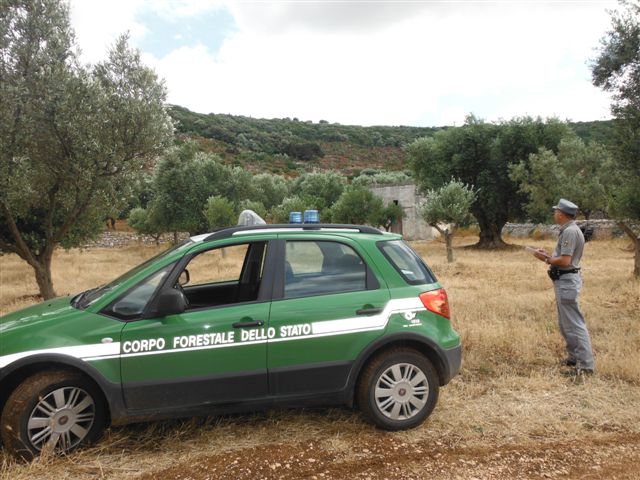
{"x":554,"y":273}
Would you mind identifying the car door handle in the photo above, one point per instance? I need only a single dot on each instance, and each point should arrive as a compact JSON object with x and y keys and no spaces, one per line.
{"x":253,"y":323}
{"x":368,"y":311}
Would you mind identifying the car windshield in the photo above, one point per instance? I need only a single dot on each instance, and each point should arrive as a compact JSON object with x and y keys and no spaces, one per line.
{"x":88,"y":297}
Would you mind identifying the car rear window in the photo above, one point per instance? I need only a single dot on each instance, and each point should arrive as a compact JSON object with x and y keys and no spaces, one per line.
{"x":407,"y":262}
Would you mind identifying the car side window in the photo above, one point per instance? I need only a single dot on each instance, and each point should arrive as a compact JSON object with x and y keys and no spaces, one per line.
{"x":218,"y":265}
{"x":320,"y":268}
{"x":223,"y":275}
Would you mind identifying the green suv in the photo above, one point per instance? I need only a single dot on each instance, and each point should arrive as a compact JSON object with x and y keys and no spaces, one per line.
{"x":236,"y":320}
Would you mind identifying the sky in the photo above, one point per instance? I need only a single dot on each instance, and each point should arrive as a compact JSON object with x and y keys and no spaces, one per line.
{"x":416,"y":63}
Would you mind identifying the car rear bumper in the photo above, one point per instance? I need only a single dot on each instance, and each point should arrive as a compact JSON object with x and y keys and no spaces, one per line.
{"x":452,"y":359}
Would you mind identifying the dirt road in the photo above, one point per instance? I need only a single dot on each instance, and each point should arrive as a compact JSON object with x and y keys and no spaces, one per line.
{"x":376,"y":457}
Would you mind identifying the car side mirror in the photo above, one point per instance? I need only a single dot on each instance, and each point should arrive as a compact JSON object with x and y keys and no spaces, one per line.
{"x":170,"y":302}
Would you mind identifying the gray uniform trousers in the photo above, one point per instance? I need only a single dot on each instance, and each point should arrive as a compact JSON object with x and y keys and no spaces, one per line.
{"x":572,"y":324}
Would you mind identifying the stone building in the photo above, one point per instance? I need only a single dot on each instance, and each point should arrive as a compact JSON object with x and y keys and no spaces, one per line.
{"x":412,"y":226}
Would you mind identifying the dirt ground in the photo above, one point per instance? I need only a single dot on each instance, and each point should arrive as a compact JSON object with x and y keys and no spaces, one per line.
{"x":378,"y":456}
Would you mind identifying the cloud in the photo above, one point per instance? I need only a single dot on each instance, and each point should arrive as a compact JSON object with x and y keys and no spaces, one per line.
{"x":98,"y":23}
{"x":323,"y":17}
{"x":424,"y":64}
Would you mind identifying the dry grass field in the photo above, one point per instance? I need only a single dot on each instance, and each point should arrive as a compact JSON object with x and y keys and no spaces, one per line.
{"x":509,"y":414}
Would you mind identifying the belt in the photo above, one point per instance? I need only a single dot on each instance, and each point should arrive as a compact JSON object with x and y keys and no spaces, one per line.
{"x":573,"y":270}
{"x":555,"y":273}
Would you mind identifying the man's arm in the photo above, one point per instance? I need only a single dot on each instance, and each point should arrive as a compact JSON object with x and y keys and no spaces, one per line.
{"x":561,"y":261}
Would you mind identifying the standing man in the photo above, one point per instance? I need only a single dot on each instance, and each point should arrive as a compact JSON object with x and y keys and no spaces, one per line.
{"x":565,"y":272}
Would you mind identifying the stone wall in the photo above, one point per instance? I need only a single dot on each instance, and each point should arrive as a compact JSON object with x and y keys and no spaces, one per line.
{"x":601,"y":229}
{"x":113,"y":239}
{"x":414,"y":228}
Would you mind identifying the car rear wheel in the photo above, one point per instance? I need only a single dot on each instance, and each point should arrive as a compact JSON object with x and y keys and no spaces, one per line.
{"x":398,"y":389}
{"x":54,"y":411}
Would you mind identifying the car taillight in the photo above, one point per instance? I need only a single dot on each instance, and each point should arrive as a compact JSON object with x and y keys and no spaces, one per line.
{"x":436,"y":302}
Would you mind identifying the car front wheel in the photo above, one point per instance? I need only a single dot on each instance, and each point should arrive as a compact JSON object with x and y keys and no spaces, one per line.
{"x":54,"y":411}
{"x":398,"y":389}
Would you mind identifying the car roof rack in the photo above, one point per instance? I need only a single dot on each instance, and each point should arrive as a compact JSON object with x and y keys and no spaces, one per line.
{"x":230,"y":231}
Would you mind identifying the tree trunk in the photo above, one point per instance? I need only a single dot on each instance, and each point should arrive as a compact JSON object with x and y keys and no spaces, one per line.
{"x":491,"y":237}
{"x":636,"y":263}
{"x":636,"y":244}
{"x":448,"y":239}
{"x":175,"y":238}
{"x":43,"y":277}
{"x":490,"y":231}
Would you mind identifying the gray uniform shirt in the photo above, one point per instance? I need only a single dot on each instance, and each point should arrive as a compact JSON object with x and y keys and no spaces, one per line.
{"x":570,"y":242}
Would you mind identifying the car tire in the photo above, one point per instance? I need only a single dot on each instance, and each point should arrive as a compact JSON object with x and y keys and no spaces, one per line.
{"x":55,"y":411}
{"x":398,"y":389}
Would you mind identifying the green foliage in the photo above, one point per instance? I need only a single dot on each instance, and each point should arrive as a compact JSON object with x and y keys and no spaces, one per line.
{"x":277,"y":135}
{"x":70,"y":134}
{"x":447,"y":208}
{"x":220,"y":212}
{"x":449,"y":204}
{"x":372,"y":177}
{"x":302,"y":151}
{"x":235,"y":183}
{"x":357,"y":205}
{"x":280,"y":214}
{"x":388,"y":215}
{"x":184,"y":179}
{"x":577,"y":172}
{"x":480,"y":154}
{"x":325,"y":186}
{"x":617,"y":70}
{"x":270,"y":190}
{"x":256,"y":206}
{"x":259,"y":144}
{"x":600,"y":131}
{"x":144,"y":223}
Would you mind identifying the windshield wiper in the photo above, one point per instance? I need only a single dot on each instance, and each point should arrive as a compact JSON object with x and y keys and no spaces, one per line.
{"x":75,"y":301}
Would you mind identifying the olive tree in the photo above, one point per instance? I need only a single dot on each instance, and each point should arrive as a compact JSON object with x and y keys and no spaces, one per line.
{"x":69,"y":133}
{"x":220,"y":212}
{"x":184,"y":179}
{"x":480,"y":154}
{"x":617,"y":70}
{"x":270,"y":190}
{"x":388,"y":215}
{"x":577,"y":172}
{"x":325,"y":186}
{"x":145,"y":223}
{"x":357,"y":205}
{"x":447,"y":208}
{"x":280,"y":213}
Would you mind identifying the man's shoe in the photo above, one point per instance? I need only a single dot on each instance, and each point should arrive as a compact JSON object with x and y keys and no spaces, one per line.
{"x":568,"y":362}
{"x":578,"y":373}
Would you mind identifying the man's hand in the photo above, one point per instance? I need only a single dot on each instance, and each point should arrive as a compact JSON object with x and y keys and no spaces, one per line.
{"x":541,"y":254}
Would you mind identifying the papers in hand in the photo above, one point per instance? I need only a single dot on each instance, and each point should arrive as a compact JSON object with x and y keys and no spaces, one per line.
{"x":533,"y":250}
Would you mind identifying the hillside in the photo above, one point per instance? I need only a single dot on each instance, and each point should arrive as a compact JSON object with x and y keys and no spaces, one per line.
{"x":287,"y":145}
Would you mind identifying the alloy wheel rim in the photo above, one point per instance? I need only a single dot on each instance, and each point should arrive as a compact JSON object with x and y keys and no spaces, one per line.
{"x":61,"y":420}
{"x":401,"y":391}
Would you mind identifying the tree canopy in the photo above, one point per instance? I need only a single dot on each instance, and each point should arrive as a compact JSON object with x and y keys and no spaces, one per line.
{"x":479,"y":154}
{"x":447,"y":208}
{"x":357,"y":205}
{"x":70,"y":134}
{"x":577,"y":172}
{"x":616,"y":69}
